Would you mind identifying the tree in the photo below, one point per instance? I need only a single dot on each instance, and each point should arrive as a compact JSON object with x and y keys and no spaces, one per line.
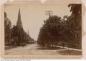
{"x":18,"y":36}
{"x":7,"y":29}
{"x":49,"y":34}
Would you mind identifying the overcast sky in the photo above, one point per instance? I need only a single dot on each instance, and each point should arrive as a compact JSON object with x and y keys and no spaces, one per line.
{"x":34,"y":13}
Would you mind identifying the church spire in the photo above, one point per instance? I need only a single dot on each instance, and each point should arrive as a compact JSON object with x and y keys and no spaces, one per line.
{"x":19,"y":22}
{"x":5,"y":14}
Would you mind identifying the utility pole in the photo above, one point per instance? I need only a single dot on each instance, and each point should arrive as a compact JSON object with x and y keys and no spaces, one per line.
{"x":49,"y":13}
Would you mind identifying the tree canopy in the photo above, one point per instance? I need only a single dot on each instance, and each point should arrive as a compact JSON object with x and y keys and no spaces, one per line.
{"x":64,"y":32}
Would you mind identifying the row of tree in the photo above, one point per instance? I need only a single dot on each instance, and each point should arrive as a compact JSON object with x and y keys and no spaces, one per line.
{"x":15,"y":36}
{"x":64,"y":32}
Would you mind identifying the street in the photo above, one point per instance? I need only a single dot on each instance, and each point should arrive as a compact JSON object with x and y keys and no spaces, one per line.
{"x":32,"y":49}
{"x":29,"y":50}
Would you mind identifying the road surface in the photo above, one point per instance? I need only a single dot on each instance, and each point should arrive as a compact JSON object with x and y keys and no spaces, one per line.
{"x":32,"y":49}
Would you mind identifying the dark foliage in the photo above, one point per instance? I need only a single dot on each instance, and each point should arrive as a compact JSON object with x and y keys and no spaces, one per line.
{"x":49,"y":34}
{"x":15,"y":36}
{"x":7,"y":28}
{"x":64,"y":32}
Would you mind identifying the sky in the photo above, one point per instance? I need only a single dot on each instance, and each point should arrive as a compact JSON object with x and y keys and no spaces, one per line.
{"x":33,"y":13}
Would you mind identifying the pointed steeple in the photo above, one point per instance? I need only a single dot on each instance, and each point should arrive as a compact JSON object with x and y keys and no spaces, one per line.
{"x":5,"y":14}
{"x":19,"y":22}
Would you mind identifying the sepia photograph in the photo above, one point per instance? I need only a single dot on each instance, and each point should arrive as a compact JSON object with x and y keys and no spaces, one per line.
{"x":52,"y":27}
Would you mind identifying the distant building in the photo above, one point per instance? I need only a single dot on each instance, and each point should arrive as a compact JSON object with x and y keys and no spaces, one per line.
{"x":19,"y":22}
{"x":20,"y":36}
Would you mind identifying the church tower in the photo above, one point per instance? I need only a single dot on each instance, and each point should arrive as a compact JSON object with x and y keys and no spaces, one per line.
{"x":19,"y":22}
